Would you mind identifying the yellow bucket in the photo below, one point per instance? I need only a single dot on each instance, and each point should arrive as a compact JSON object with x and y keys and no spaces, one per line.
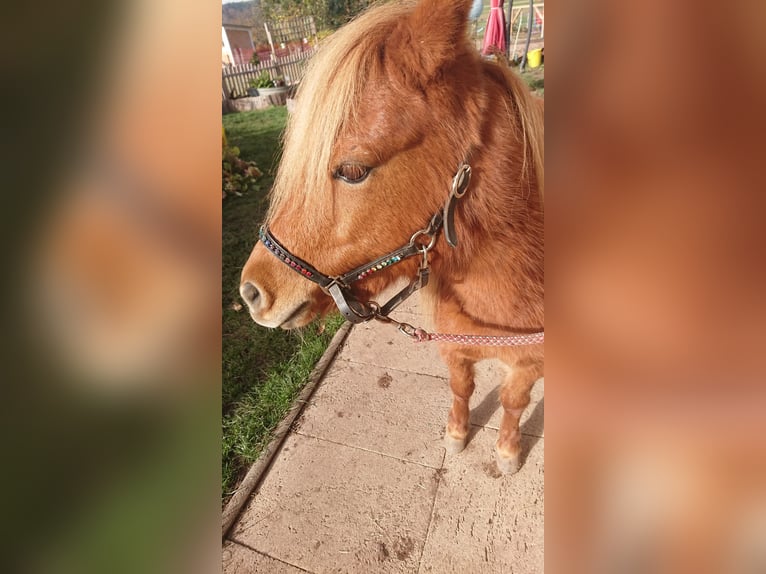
{"x":535,"y":57}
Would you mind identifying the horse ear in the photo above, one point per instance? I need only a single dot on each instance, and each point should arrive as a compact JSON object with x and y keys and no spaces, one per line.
{"x":434,"y":33}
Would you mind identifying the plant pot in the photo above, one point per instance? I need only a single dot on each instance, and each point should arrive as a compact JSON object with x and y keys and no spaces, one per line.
{"x":276,"y":96}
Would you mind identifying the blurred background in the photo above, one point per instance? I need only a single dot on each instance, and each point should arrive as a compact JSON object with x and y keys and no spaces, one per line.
{"x":111,"y":229}
{"x":655,"y":243}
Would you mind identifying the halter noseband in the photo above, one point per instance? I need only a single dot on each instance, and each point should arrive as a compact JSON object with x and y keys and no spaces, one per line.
{"x":339,"y":286}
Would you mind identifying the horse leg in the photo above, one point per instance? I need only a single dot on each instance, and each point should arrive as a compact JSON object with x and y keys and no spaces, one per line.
{"x":462,"y":385}
{"x":514,"y":397}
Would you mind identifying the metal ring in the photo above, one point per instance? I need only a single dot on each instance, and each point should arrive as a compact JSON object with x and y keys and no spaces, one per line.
{"x":407,"y":329}
{"x":416,"y":235}
{"x":431,"y":242}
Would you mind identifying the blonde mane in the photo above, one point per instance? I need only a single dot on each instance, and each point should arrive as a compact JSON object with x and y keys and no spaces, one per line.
{"x":329,"y":93}
{"x":530,"y":110}
{"x":342,"y":64}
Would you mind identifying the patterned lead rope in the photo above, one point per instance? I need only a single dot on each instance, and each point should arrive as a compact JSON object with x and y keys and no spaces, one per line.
{"x":421,"y":336}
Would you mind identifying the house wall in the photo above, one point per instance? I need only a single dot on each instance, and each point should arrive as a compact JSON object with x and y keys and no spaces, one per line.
{"x":241,"y":43}
{"x":239,"y":39}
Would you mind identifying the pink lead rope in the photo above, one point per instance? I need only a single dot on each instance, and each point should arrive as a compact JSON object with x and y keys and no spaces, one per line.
{"x":483,"y":340}
{"x":421,"y":336}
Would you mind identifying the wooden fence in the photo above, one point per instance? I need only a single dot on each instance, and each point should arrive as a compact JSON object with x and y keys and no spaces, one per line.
{"x":290,"y":68}
{"x":300,"y":29}
{"x":520,"y":23}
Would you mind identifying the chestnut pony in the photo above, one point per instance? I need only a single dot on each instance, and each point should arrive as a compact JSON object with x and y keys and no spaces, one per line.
{"x":390,"y":108}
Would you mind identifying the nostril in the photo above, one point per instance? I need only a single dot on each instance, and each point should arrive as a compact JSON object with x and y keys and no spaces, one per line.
{"x":249,"y":293}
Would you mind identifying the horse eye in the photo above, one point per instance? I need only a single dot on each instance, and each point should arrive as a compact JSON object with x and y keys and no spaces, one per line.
{"x":352,"y":172}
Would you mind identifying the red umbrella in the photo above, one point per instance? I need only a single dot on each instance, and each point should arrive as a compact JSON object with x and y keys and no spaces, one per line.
{"x":494,"y":35}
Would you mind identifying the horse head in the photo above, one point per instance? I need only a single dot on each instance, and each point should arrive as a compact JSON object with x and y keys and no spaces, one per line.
{"x":389,"y":108}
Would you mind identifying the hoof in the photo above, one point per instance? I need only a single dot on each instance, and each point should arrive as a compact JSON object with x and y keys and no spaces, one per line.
{"x":454,"y":445}
{"x":508,"y":464}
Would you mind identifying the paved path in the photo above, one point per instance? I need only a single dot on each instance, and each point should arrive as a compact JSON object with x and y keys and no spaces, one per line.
{"x":362,"y":483}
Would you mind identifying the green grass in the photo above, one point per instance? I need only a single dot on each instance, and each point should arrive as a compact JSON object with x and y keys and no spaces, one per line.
{"x":263,"y":369}
{"x":535,"y":79}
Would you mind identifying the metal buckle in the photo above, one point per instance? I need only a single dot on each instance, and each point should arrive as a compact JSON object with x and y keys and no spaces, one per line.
{"x":461,"y":180}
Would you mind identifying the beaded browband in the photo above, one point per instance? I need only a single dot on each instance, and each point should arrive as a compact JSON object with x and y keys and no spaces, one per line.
{"x":339,"y":286}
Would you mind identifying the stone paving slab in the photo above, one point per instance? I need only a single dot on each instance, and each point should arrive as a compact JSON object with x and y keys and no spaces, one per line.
{"x":362,"y":483}
{"x":240,"y":560}
{"x":484,"y":522}
{"x":331,"y":508}
{"x":411,"y":305}
{"x":384,"y":346}
{"x":398,"y":414}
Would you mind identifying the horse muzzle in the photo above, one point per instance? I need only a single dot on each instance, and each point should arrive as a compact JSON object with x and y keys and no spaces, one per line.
{"x":273,"y":297}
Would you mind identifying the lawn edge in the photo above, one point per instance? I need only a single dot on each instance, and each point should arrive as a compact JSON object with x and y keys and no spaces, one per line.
{"x":260,"y":467}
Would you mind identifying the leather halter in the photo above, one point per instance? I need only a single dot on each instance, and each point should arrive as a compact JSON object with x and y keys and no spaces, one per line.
{"x":339,"y":286}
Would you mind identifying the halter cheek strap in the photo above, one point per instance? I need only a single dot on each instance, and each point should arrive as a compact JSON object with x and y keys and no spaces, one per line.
{"x":339,"y":287}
